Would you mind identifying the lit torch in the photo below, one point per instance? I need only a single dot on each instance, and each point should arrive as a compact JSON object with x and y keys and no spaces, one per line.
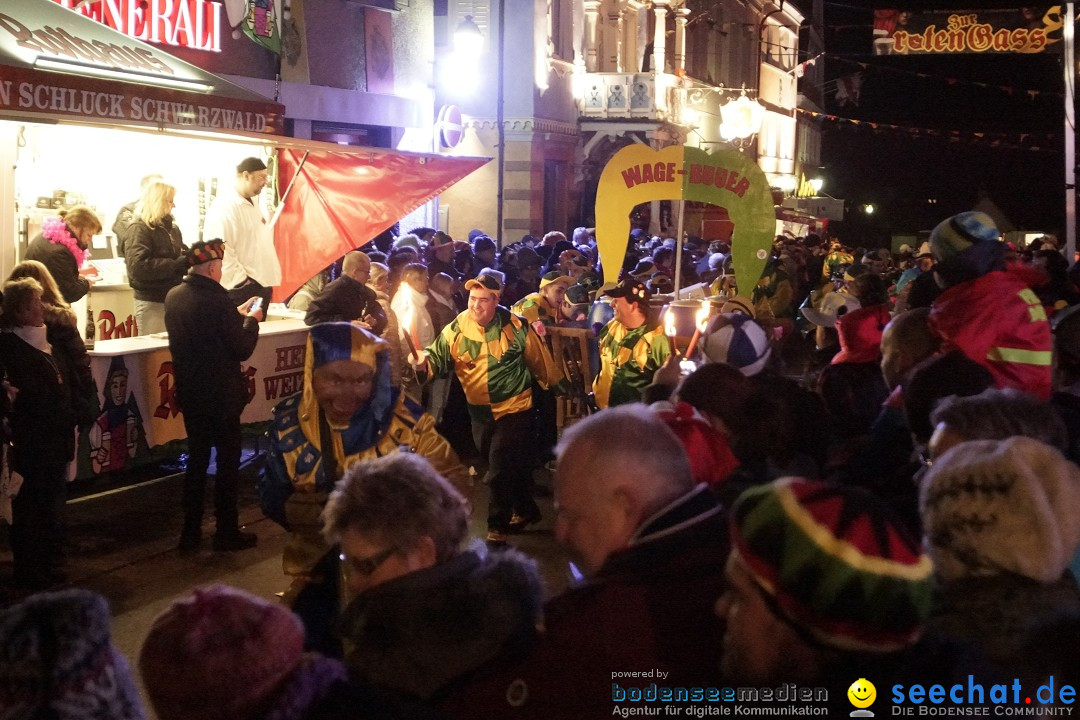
{"x":406,"y":328}
{"x":669,"y":330}
{"x":702,"y":319}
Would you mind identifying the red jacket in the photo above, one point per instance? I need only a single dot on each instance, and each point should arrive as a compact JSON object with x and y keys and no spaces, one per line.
{"x":999,"y":322}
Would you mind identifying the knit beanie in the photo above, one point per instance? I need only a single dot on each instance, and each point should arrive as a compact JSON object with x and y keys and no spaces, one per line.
{"x":960,"y":232}
{"x":834,"y":563}
{"x":990,"y":507}
{"x":735,"y":339}
{"x":56,"y":655}
{"x":711,"y":458}
{"x":408,"y":240}
{"x":219,"y":653}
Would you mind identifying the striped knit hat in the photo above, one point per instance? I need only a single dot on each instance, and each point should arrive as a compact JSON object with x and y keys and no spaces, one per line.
{"x":959,"y":232}
{"x":834,"y":563}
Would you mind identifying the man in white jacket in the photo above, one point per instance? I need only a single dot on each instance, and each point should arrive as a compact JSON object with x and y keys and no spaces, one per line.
{"x":251,"y":264}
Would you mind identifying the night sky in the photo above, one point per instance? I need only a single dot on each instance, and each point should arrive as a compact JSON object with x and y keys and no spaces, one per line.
{"x":902,"y":173}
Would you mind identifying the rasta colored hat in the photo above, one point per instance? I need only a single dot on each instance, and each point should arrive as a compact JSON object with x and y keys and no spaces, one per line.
{"x":1001,"y":506}
{"x":834,"y":563}
{"x":203,"y":252}
{"x":631,"y":289}
{"x":219,"y":653}
{"x":489,"y":280}
{"x":555,"y":277}
{"x":960,"y":232}
{"x":737,"y":340}
{"x":251,"y":164}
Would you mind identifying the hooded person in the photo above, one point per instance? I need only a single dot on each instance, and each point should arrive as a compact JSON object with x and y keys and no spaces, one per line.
{"x":987,"y":310}
{"x":348,"y":412}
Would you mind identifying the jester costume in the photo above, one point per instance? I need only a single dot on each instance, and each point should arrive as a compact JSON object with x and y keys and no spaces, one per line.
{"x":628,"y":361}
{"x":496,"y":365}
{"x":535,"y":306}
{"x":308,"y":455}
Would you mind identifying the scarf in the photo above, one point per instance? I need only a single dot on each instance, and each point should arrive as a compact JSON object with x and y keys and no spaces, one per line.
{"x":34,"y":335}
{"x":56,"y":231}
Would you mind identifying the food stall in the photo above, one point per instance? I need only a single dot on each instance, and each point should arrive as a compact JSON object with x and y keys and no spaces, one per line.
{"x":86,"y":112}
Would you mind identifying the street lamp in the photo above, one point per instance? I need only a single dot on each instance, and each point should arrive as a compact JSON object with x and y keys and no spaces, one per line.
{"x":741,"y":119}
{"x":868,"y":209}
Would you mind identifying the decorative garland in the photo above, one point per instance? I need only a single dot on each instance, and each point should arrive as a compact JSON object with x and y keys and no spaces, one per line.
{"x":56,"y":230}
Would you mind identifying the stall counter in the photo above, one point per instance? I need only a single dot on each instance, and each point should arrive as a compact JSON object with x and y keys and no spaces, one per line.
{"x":137,"y":393}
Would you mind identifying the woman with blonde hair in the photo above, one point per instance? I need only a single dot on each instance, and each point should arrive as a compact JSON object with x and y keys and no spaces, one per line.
{"x":154,"y":252}
{"x":62,"y":247}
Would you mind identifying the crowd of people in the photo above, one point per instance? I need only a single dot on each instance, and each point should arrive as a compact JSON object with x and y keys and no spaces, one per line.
{"x":866,"y":471}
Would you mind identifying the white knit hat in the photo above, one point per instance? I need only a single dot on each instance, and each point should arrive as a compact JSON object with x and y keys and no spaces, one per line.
{"x":991,"y":506}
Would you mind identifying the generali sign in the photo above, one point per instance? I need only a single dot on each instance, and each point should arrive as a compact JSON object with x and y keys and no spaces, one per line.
{"x":192,"y":24}
{"x":59,"y":63}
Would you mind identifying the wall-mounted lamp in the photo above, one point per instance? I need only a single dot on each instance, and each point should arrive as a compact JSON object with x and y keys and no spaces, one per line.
{"x":468,"y":39}
{"x":816,"y":184}
{"x":460,"y":74}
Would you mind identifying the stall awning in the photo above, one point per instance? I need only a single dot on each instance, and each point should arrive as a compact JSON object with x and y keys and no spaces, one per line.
{"x":341,"y":199}
{"x":56,"y":63}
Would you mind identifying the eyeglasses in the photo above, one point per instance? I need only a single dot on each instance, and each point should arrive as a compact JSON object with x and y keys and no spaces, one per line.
{"x":364,"y":567}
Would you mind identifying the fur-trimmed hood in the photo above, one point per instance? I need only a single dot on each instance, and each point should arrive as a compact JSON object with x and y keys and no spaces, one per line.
{"x":422,"y":632}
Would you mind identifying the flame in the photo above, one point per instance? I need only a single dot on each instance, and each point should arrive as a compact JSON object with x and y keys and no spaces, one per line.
{"x":669,"y":323}
{"x":703,"y":316}
{"x":406,"y":319}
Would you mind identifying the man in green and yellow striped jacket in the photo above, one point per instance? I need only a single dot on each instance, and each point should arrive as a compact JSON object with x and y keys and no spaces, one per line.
{"x":496,"y":356}
{"x":632,"y":346}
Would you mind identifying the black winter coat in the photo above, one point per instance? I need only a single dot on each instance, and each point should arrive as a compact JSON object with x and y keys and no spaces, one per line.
{"x":43,"y":417}
{"x":208,"y":339}
{"x":61,"y":264}
{"x":345,"y":300}
{"x":66,"y":342}
{"x":155,"y":259}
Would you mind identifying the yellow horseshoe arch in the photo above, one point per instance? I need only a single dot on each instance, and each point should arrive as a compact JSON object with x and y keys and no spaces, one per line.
{"x":727,"y":178}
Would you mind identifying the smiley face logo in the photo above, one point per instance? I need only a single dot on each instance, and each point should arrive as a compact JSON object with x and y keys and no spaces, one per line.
{"x":862,"y":693}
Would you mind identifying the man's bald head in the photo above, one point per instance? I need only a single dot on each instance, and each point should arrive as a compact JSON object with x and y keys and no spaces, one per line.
{"x":906,"y":342}
{"x":356,"y":265}
{"x":615,"y":469}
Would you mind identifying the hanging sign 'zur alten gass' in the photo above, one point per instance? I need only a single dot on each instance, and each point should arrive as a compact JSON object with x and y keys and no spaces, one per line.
{"x":1024,"y":30}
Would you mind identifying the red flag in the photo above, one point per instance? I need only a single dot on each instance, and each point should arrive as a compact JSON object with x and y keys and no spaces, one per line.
{"x":341,"y":200}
